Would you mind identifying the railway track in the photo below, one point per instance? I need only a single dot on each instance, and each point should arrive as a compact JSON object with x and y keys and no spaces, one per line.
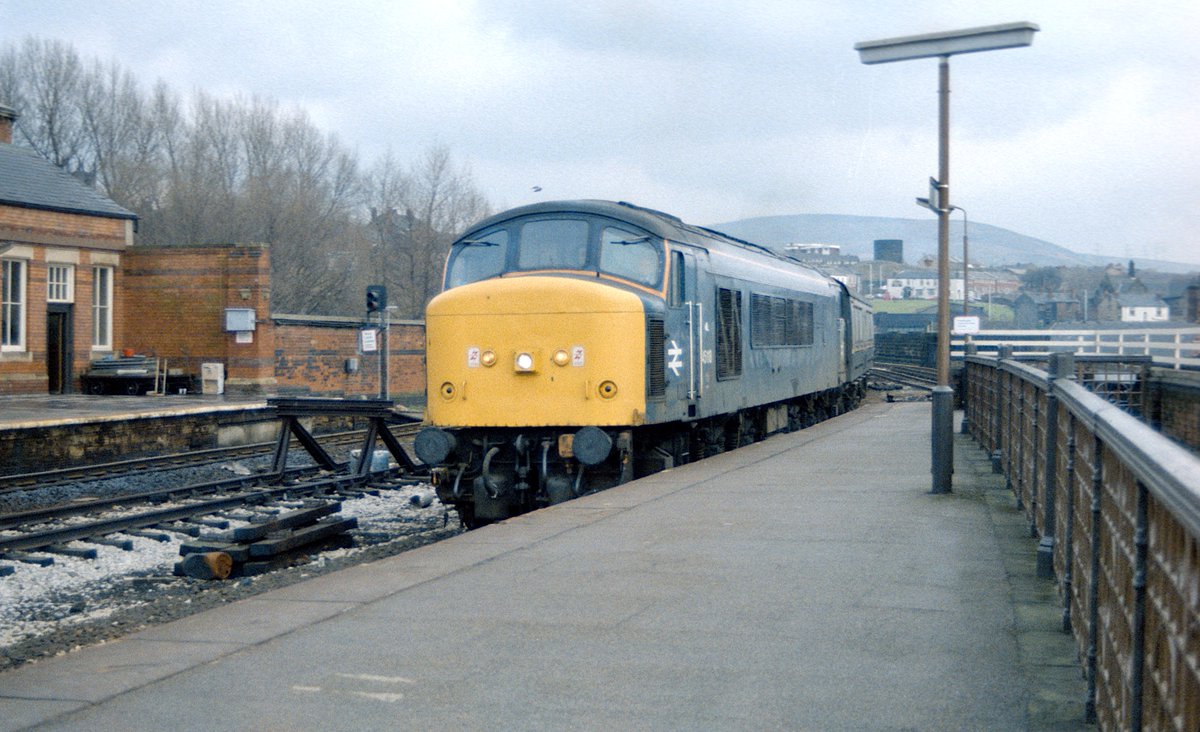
{"x":33,"y":535}
{"x":28,"y":536}
{"x":917,"y":377}
{"x":100,"y":471}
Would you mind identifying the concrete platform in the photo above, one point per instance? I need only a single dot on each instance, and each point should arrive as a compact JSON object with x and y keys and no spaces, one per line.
{"x":806,"y":582}
{"x":45,"y":432}
{"x":50,"y":410}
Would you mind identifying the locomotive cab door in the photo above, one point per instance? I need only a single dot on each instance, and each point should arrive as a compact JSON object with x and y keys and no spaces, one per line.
{"x":685,"y":333}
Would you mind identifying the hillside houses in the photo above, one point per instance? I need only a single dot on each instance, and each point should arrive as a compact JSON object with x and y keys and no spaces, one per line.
{"x":921,"y":284}
{"x":1057,"y":296}
{"x":1132,"y":308}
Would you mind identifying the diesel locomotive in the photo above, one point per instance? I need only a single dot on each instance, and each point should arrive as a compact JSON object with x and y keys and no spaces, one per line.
{"x":579,"y":344}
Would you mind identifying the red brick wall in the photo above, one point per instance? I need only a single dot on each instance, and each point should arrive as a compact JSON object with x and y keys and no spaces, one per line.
{"x":62,"y":229}
{"x":25,"y":372}
{"x":311,"y":354}
{"x":173,"y":307}
{"x":170,"y":302}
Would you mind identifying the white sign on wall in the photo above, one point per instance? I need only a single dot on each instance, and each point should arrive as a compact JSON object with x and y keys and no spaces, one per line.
{"x":966,"y":324}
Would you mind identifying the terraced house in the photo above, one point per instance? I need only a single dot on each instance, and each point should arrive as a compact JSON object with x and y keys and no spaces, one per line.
{"x":61,"y":244}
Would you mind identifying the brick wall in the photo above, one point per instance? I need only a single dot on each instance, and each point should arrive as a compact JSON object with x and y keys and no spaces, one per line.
{"x":918,"y":349}
{"x":61,"y":228}
{"x":78,"y":240}
{"x":173,"y":307}
{"x":311,"y":356}
{"x":25,"y":372}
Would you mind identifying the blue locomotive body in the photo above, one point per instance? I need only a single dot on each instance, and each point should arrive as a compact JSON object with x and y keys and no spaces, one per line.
{"x":644,"y":341}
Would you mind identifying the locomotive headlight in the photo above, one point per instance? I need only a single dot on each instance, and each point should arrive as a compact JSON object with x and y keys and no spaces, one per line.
{"x":561,"y":358}
{"x":488,"y":358}
{"x":607,"y":389}
{"x":524,"y":361}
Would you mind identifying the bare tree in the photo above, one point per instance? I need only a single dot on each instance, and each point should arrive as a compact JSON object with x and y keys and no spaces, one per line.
{"x":219,"y":170}
{"x":415,"y":217}
{"x":49,"y":122}
{"x":122,"y":141}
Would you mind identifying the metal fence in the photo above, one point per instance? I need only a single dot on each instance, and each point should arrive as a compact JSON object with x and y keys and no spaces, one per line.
{"x":1170,"y":347}
{"x":1117,"y":509}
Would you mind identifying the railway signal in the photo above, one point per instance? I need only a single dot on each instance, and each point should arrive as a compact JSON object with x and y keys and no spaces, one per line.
{"x":376,"y":298}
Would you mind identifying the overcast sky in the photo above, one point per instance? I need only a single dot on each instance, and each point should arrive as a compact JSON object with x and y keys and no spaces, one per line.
{"x":716,"y":110}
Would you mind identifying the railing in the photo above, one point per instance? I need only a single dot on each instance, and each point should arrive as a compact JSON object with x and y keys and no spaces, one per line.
{"x":1117,"y":510}
{"x":1170,"y":347}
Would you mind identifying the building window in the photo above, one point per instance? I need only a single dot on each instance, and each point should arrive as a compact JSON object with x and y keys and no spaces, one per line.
{"x":60,"y":283}
{"x":12,"y":306}
{"x":102,"y":308}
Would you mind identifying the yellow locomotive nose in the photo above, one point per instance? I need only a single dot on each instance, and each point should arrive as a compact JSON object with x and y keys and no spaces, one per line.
{"x":572,"y":342}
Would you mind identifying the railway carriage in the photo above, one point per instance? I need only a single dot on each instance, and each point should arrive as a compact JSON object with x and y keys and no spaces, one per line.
{"x":578,"y":344}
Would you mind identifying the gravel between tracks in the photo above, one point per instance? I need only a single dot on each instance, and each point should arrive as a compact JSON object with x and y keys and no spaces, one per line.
{"x":45,"y":611}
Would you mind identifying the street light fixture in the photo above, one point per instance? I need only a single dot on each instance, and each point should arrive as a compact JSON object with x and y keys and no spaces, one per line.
{"x":943,"y":46}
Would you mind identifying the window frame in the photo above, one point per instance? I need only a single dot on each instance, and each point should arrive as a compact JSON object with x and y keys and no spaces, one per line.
{"x":102,"y":312}
{"x":66,"y":295}
{"x":461,"y":249}
{"x":644,"y":240}
{"x":14,"y":297}
{"x":519,"y":263}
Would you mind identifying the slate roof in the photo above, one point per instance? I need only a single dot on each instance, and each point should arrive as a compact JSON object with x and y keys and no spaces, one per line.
{"x":1141,"y":300}
{"x":915,"y":274}
{"x":28,"y":180}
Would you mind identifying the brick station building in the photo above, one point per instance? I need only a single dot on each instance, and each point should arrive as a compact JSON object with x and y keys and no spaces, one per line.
{"x":76,"y":290}
{"x":61,"y":245}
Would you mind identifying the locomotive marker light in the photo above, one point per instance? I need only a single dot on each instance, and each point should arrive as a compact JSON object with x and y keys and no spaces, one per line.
{"x":943,"y":46}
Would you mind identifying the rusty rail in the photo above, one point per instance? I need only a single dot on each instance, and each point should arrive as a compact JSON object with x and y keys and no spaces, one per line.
{"x":1116,"y":507}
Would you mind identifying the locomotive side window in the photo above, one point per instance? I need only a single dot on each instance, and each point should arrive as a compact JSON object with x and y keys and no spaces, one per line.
{"x":553,"y":244}
{"x":729,"y":333}
{"x":478,"y":259}
{"x":630,"y":255}
{"x":678,"y":290}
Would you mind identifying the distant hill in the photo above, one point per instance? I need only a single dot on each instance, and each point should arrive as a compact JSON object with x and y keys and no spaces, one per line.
{"x":987,"y":245}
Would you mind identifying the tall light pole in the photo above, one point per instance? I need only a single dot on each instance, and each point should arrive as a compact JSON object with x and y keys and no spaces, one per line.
{"x":942,"y":46}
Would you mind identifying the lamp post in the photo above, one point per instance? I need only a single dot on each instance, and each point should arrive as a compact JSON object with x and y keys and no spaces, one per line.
{"x":942,"y":46}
